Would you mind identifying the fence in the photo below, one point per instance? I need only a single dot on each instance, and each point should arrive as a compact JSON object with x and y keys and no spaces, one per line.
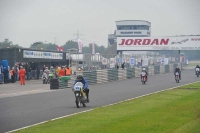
{"x":109,"y":75}
{"x":106,"y":61}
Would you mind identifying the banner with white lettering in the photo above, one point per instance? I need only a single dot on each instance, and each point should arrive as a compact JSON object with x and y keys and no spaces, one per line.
{"x":80,"y":45}
{"x":112,"y":62}
{"x":159,"y":43}
{"x":166,"y":61}
{"x":42,"y":55}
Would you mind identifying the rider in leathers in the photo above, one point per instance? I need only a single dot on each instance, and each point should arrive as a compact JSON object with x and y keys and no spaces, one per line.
{"x":46,"y":71}
{"x":85,"y":85}
{"x":52,"y":70}
{"x":179,"y":72}
{"x":144,"y":70}
{"x":195,"y":68}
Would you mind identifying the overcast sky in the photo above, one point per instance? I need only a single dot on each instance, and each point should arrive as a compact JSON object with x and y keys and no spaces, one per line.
{"x":28,"y":21}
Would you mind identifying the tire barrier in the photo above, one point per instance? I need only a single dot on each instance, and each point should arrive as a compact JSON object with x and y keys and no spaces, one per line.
{"x":109,"y":75}
{"x":54,"y":83}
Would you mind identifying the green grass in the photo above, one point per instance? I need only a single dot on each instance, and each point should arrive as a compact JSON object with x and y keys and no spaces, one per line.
{"x":172,"y":111}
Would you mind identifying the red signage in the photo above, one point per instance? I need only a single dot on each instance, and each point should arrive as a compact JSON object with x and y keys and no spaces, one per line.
{"x":144,"y":42}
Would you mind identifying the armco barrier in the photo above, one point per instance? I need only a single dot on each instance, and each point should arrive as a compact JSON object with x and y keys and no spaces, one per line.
{"x":109,"y":75}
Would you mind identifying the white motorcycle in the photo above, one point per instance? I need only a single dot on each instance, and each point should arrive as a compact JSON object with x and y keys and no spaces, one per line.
{"x":197,"y":72}
{"x":80,"y":95}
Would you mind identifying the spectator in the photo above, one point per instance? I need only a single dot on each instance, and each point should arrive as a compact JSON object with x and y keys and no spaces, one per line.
{"x":12,"y":74}
{"x":43,"y":68}
{"x":28,"y":72}
{"x":38,"y":73}
{"x":123,"y":65}
{"x":5,"y":73}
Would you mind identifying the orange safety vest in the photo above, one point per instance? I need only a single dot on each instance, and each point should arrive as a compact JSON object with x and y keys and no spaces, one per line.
{"x":22,"y":72}
{"x":11,"y":72}
{"x":68,"y":71}
{"x":62,"y":72}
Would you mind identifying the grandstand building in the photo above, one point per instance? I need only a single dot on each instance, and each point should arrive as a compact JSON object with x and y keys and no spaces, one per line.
{"x":130,"y":28}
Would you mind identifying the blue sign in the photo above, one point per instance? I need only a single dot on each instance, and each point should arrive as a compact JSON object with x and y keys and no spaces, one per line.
{"x":132,"y":61}
{"x":163,"y":60}
{"x":119,"y":60}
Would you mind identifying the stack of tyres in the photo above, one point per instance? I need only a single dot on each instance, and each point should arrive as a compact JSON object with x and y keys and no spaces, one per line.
{"x":1,"y":78}
{"x":63,"y":84}
{"x":54,"y":83}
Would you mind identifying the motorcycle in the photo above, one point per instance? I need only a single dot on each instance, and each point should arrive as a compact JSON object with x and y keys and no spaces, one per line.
{"x":44,"y":78}
{"x":143,"y":78}
{"x":197,"y":72}
{"x":80,"y":96}
{"x":177,"y":77}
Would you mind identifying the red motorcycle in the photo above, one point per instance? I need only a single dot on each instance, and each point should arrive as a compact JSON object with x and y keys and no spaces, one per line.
{"x":177,"y":77}
{"x":144,"y":77}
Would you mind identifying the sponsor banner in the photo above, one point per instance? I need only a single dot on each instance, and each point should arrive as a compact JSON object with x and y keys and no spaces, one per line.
{"x":132,"y":61}
{"x":159,"y":43}
{"x":93,"y":48}
{"x":166,"y":61}
{"x":104,"y":61}
{"x":145,"y":62}
{"x":42,"y":55}
{"x":112,"y":62}
{"x":80,"y":45}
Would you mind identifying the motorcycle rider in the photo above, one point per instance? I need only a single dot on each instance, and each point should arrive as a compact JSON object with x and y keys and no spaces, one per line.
{"x":144,"y":70}
{"x":196,"y":68}
{"x":46,"y":73}
{"x":52,"y":70}
{"x":85,"y":85}
{"x":177,"y":69}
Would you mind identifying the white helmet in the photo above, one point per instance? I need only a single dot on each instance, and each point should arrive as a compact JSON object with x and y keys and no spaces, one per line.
{"x":143,"y":69}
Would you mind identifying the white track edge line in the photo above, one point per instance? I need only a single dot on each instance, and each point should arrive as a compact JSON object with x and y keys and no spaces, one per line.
{"x":98,"y":107}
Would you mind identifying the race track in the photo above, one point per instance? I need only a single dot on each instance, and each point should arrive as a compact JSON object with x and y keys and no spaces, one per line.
{"x":24,"y":110}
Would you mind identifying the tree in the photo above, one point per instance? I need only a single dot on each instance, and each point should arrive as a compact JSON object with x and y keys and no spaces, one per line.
{"x":8,"y":44}
{"x":69,"y":45}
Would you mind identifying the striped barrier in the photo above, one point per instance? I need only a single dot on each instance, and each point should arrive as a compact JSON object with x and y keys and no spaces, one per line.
{"x":109,"y":75}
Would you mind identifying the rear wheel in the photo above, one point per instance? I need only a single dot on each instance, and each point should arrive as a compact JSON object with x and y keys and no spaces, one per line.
{"x":83,"y":104}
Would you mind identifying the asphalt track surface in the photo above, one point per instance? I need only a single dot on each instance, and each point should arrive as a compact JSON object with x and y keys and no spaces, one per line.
{"x":27,"y":109}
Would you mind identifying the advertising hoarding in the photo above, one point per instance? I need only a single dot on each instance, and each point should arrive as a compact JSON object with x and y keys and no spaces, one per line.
{"x":159,"y":43}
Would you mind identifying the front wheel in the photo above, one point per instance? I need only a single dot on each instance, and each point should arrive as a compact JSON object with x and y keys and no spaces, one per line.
{"x":78,"y":102}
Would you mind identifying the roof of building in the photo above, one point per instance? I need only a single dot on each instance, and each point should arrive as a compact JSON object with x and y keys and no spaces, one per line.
{"x":132,"y":20}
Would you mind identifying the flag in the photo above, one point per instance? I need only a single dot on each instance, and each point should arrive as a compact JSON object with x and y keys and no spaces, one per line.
{"x":93,"y":47}
{"x":80,"y":45}
{"x":59,"y":48}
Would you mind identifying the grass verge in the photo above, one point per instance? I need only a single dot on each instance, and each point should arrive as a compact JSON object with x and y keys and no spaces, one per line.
{"x":174,"y":111}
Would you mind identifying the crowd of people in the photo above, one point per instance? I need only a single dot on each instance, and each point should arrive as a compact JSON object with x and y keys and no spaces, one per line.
{"x":22,"y":71}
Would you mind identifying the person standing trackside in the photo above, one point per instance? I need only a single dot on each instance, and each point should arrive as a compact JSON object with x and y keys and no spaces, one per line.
{"x":68,"y":71}
{"x":38,"y":73}
{"x":12,"y":74}
{"x":5,"y":73}
{"x":22,"y":73}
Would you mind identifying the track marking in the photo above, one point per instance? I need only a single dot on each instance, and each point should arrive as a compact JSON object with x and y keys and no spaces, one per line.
{"x":98,"y":107}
